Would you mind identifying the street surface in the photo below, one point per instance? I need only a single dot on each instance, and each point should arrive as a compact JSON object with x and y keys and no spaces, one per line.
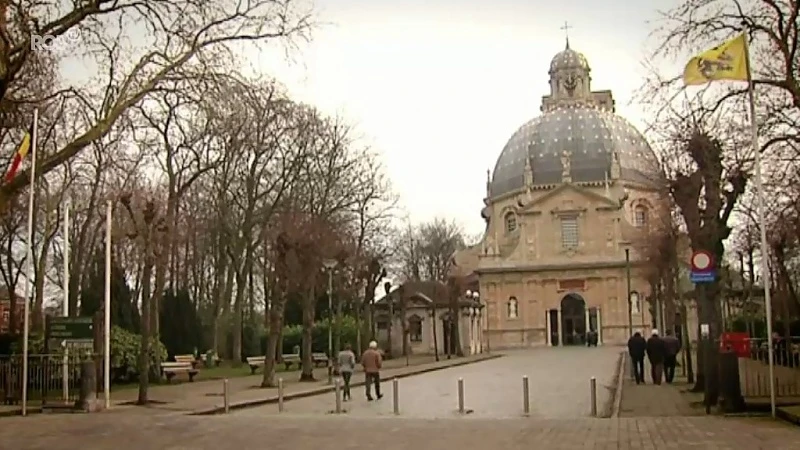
{"x":159,"y":431}
{"x":558,"y":380}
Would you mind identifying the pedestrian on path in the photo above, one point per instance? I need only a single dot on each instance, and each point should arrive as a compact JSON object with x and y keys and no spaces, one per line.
{"x":636,"y":348}
{"x":372,"y":362}
{"x":655,"y":353}
{"x":347,"y":364}
{"x":671,"y":346}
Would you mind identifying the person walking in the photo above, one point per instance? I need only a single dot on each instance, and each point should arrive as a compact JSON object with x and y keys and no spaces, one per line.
{"x":636,"y":348}
{"x":655,"y":353}
{"x":372,"y":362}
{"x":347,"y":365}
{"x":671,"y":346}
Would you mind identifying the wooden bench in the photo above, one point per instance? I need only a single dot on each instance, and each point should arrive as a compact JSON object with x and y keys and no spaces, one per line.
{"x":255,"y":362}
{"x":289,"y":359}
{"x":171,"y":369}
{"x":186,"y":359}
{"x":319,"y":359}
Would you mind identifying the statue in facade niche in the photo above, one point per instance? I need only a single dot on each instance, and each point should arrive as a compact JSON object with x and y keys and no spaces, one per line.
{"x":566,"y":163}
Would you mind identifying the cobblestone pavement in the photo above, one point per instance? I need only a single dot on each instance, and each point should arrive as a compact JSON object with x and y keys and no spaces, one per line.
{"x":558,"y":379}
{"x":207,"y":395}
{"x":174,"y":432}
{"x":649,"y":400}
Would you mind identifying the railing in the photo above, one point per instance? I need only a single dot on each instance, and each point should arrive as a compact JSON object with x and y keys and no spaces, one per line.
{"x":754,"y":371}
{"x":52,"y":379}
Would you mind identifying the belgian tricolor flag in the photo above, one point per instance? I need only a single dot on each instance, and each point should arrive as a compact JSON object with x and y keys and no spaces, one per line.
{"x":22,"y":151}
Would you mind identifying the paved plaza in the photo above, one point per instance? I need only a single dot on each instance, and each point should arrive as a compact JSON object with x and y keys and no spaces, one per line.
{"x":559,"y":409}
{"x":558,"y":380}
{"x":174,"y":432}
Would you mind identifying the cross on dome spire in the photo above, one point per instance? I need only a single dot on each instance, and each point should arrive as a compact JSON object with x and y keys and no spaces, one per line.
{"x":566,"y":28}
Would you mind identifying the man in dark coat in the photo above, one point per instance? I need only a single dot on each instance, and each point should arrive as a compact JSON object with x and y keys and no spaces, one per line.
{"x":656,"y":351}
{"x":636,"y":348}
{"x":671,"y":346}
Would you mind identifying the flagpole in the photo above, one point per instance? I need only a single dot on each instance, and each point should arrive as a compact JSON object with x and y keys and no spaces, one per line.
{"x":762,"y":226}
{"x":29,"y":271}
{"x":65,"y":306}
{"x":107,"y":314}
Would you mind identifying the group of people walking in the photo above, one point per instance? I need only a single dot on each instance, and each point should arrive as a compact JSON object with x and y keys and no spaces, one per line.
{"x":662,"y":352}
{"x":371,"y":360}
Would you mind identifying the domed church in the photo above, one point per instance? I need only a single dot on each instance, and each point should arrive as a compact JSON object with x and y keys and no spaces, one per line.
{"x":572,"y":190}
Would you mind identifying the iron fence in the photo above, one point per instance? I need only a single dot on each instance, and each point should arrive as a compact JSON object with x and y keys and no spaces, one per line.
{"x":52,"y":379}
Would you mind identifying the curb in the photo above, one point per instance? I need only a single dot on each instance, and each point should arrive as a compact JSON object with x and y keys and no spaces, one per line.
{"x":620,"y":381}
{"x":326,"y":389}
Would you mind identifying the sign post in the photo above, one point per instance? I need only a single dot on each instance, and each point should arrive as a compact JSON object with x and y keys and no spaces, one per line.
{"x":704,"y":272}
{"x":70,"y":329}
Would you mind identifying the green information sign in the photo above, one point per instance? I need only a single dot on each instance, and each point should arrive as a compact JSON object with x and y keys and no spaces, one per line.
{"x":70,"y":328}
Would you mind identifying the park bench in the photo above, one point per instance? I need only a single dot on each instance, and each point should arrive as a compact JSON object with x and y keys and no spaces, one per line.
{"x":171,"y":369}
{"x":186,"y":359}
{"x":288,"y":359}
{"x":319,"y":359}
{"x":255,"y":362}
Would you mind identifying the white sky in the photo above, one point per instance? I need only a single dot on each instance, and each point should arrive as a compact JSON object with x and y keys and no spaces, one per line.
{"x":439,"y":86}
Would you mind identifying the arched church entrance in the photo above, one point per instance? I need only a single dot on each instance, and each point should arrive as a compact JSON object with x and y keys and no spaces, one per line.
{"x":573,"y":319}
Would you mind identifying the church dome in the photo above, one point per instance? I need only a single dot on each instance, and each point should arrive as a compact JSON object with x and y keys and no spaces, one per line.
{"x":592,"y":136}
{"x":568,"y":59}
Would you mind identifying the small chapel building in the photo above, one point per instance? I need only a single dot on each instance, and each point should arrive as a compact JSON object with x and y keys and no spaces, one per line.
{"x":571,"y":192}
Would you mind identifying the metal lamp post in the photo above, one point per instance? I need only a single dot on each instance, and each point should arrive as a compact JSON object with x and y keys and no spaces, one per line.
{"x":630,"y":300}
{"x":329,"y":265}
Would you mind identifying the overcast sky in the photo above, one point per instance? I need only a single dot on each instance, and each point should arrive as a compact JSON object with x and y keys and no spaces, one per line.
{"x":439,"y":86}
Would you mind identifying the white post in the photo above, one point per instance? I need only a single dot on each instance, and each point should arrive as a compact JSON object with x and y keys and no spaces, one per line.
{"x":65,"y":306}
{"x":586,"y":313}
{"x":471,"y":333}
{"x":560,"y":329}
{"x":479,"y":324}
{"x":547,"y":329}
{"x":599,"y":327}
{"x":29,"y":272}
{"x":107,"y":318}
{"x":763,"y":229}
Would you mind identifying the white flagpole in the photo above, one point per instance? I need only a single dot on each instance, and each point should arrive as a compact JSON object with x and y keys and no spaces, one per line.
{"x":65,"y":306}
{"x":107,"y":318}
{"x":762,"y":226}
{"x":29,"y":271}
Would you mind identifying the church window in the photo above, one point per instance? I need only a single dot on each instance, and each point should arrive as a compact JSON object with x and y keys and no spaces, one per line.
{"x":513,"y":308}
{"x":640,"y":216}
{"x":415,"y":329}
{"x":569,"y":232}
{"x":511,"y":222}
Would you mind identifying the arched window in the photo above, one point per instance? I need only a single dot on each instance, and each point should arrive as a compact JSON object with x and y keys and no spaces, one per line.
{"x":513,"y":308}
{"x":511,"y":222}
{"x":640,"y":216}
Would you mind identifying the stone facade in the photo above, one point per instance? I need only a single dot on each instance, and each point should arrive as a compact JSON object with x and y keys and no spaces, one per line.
{"x":572,"y":191}
{"x":424,"y":301}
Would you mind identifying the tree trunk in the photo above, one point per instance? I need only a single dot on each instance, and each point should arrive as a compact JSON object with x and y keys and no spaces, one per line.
{"x":144,"y":342}
{"x":238,"y":311}
{"x":307,"y":373}
{"x":273,"y":340}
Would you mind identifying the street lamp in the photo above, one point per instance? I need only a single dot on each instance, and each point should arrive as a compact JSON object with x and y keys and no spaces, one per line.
{"x":329,"y":265}
{"x":474,"y":322}
{"x":630,"y":294}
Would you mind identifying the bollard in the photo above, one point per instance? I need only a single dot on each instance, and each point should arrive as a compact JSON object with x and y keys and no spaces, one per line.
{"x":593,"y":393}
{"x":526,"y":401}
{"x":225,"y":396}
{"x":461,"y":396}
{"x":396,"y":396}
{"x":280,"y":394}
{"x":338,"y":393}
